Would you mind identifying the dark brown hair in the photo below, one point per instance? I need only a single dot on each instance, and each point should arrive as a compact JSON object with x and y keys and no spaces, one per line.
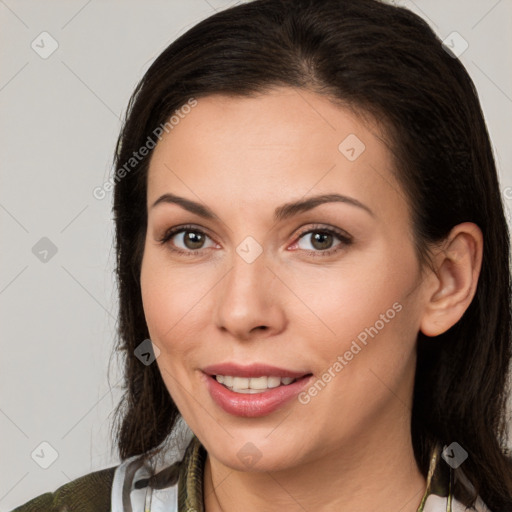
{"x":380,"y":60}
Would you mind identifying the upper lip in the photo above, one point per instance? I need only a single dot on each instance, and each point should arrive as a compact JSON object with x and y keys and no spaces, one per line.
{"x":252,"y":370}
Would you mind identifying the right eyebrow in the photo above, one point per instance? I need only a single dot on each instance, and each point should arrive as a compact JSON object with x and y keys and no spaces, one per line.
{"x":187,"y":204}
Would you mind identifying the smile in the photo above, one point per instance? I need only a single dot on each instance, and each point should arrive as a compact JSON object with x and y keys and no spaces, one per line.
{"x":254,"y":384}
{"x":254,"y":390}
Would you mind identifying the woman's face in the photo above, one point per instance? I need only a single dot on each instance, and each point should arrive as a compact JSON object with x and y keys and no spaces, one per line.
{"x":328,"y":291}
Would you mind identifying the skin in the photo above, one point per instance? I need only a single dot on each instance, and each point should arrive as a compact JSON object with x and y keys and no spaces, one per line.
{"x":349,"y":448}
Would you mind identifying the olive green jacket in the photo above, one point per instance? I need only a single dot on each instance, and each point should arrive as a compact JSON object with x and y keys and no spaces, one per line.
{"x":89,"y":493}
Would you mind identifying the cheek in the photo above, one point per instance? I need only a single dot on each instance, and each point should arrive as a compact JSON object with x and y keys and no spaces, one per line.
{"x":171,"y":307}
{"x":158,"y":305}
{"x":372,"y":316}
{"x":360,"y":298}
{"x":173,"y":301}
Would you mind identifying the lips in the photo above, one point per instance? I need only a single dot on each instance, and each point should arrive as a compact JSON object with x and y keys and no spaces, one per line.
{"x":253,"y":370}
{"x":257,"y":404}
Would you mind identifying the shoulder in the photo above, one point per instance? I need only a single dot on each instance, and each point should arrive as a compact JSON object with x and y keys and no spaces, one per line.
{"x":88,"y":493}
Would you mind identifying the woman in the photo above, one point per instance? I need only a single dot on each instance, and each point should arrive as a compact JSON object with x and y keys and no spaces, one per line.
{"x":313,"y":269}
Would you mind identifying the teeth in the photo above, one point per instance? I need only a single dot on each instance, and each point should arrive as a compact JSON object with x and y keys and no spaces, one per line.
{"x":273,"y":382}
{"x":240,"y":383}
{"x":253,"y":384}
{"x":257,"y":383}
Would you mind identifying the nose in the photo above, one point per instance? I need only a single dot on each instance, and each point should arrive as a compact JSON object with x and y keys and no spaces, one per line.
{"x":248,"y":301}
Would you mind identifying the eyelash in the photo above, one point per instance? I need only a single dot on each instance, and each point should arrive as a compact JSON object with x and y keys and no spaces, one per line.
{"x":343,"y":237}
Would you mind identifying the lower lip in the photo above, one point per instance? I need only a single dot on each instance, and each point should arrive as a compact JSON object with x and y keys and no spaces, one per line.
{"x":255,"y":404}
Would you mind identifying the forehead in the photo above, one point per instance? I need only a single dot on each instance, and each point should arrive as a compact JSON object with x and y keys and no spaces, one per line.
{"x":283,"y":141}
{"x":279,"y":118}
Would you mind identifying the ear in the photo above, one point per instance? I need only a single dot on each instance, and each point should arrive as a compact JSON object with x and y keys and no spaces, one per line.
{"x":457,"y":267}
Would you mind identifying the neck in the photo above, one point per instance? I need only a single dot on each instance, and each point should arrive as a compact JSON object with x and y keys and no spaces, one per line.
{"x":377,"y":471}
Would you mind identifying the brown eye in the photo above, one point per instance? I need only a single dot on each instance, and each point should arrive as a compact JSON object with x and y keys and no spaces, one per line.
{"x":186,"y":240}
{"x":323,"y":241}
{"x":193,"y":239}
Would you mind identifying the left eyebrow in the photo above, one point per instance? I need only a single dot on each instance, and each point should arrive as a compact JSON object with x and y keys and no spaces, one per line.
{"x":290,"y":209}
{"x":281,"y":212}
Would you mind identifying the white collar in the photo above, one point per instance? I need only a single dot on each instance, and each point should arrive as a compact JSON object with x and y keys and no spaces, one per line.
{"x":129,"y":494}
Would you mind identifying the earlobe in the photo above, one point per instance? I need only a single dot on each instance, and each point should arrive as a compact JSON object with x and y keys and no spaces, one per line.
{"x":457,"y":268}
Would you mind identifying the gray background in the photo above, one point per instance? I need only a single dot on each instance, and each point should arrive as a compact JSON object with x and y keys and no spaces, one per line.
{"x":59,"y":121}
